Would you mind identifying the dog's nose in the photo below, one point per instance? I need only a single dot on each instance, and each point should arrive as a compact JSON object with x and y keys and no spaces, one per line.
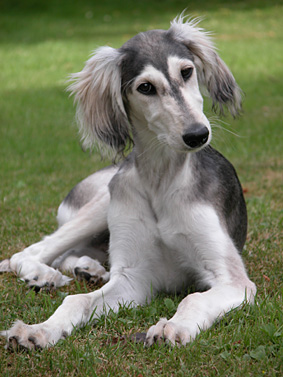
{"x":197,"y":136}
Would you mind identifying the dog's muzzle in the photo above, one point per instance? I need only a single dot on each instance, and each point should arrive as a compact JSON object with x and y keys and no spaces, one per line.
{"x":196,"y":136}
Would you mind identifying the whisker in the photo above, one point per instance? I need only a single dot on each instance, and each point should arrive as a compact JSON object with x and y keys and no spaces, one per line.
{"x":214,"y":122}
{"x":227,"y":130}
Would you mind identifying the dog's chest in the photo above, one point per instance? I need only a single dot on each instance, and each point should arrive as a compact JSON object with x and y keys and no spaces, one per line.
{"x":165,"y":201}
{"x":171,"y":210}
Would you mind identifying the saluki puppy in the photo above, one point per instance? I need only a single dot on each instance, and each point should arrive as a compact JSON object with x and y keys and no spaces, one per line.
{"x":174,"y":208}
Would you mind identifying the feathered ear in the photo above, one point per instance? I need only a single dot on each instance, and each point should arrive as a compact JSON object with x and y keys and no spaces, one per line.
{"x":100,"y":111}
{"x":212,"y":71}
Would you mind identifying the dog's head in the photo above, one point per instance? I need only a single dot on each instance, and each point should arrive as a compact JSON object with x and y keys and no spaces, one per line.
{"x":153,"y":80}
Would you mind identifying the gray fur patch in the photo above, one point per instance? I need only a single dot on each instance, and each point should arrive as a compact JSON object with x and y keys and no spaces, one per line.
{"x":217,"y":183}
{"x":150,"y":48}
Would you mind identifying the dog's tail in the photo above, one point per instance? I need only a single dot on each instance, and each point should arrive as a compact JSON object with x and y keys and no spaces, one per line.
{"x":5,"y":265}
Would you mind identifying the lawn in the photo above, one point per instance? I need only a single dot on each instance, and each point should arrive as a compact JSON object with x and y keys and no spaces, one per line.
{"x":41,"y":43}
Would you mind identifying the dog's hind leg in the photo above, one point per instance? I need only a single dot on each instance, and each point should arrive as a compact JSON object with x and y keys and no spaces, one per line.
{"x":86,"y":261}
{"x":33,"y":263}
{"x":79,"y":227}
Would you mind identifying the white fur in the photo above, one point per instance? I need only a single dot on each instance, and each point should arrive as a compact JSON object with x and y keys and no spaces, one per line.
{"x":159,"y":239}
{"x":36,"y":263}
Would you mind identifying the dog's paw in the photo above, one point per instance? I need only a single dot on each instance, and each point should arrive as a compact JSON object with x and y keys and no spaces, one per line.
{"x":30,"y":337}
{"x":91,"y":270}
{"x":36,"y":274}
{"x":169,"y":332}
{"x":45,"y":277}
{"x":27,"y":337}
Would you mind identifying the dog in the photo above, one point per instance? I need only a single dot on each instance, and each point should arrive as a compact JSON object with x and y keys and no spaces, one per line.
{"x":172,"y":210}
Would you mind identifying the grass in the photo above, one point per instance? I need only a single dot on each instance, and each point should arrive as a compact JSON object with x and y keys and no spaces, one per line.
{"x":41,"y":159}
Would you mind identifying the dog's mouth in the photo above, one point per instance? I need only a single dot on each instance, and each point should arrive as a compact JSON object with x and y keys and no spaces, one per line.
{"x":191,"y":141}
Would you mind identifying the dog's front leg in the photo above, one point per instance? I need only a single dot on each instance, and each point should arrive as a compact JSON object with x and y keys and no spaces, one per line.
{"x":75,"y":311}
{"x":132,"y":280}
{"x":198,"y":311}
{"x":221,"y":267}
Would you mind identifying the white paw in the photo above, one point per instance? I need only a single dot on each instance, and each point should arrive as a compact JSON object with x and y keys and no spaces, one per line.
{"x":22,"y":336}
{"x":44,"y":276}
{"x":36,"y":274}
{"x":170,"y":332}
{"x":91,"y":270}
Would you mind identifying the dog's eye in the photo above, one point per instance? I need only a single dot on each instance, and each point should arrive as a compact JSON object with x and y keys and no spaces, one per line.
{"x":147,"y":88}
{"x":187,"y":73}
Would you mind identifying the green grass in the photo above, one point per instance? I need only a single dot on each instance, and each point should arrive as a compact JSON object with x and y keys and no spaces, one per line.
{"x":41,"y":159}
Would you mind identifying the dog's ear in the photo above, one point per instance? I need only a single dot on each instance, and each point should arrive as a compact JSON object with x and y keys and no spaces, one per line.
{"x":212,"y":71}
{"x":100,"y":111}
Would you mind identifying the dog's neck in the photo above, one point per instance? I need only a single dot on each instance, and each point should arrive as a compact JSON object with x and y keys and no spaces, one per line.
{"x":155,"y":161}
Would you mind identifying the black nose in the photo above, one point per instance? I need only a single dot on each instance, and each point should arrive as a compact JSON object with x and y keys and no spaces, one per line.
{"x":197,"y":136}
